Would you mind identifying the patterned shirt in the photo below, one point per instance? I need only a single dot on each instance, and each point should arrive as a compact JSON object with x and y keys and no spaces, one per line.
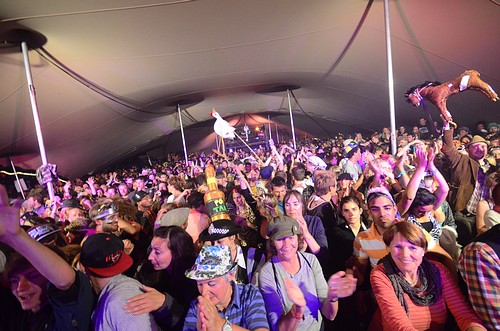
{"x":246,"y":309}
{"x":436,"y":227}
{"x":480,"y":268}
{"x":479,"y":193}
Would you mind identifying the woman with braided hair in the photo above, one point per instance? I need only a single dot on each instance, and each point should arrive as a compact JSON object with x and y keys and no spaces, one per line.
{"x":414,"y":293}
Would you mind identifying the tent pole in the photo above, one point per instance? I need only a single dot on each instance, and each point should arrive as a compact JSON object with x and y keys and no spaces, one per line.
{"x":291,"y":119}
{"x":182,"y":134}
{"x":269,"y":125}
{"x":17,"y":177}
{"x":36,"y":118}
{"x":390,"y":76}
{"x":277,"y":137}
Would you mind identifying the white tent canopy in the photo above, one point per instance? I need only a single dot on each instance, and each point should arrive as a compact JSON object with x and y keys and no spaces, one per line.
{"x":141,"y":58}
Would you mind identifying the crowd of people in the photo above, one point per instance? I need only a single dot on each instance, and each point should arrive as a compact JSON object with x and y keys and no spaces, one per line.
{"x":338,"y":234}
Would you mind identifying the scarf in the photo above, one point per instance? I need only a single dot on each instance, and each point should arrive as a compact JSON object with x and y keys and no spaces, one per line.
{"x":426,"y":294}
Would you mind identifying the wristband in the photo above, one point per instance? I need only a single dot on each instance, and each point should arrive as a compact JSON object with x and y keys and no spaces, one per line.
{"x":333,"y":300}
{"x":400,"y":174}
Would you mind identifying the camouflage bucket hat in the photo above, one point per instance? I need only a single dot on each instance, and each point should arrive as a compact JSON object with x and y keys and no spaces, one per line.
{"x":212,"y":262}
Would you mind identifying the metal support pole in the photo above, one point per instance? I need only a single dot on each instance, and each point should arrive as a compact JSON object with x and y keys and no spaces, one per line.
{"x":291,"y":119}
{"x":269,"y":127}
{"x":182,"y":134}
{"x":390,"y":77}
{"x":17,"y":177}
{"x":277,"y":137}
{"x":36,"y":118}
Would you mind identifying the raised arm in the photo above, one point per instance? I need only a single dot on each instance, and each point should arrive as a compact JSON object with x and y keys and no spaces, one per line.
{"x":411,"y":190}
{"x":48,"y":263}
{"x":443,"y":188}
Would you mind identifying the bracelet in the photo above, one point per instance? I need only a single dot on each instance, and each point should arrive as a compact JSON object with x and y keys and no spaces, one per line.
{"x":295,"y":315}
{"x":400,"y":174}
{"x":334,"y":300}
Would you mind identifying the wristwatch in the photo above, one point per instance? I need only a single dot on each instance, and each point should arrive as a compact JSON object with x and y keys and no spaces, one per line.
{"x":227,"y":326}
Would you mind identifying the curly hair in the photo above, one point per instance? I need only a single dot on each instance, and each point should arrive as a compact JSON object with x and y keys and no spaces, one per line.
{"x":177,"y":182}
{"x":267,"y":205}
{"x":126,"y":211}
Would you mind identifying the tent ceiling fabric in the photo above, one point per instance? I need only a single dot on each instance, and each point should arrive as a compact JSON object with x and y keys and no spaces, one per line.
{"x":207,"y":54}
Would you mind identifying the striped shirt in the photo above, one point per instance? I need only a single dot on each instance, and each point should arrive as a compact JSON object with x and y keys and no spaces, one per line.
{"x":246,"y":309}
{"x":480,"y":269}
{"x":369,"y":244}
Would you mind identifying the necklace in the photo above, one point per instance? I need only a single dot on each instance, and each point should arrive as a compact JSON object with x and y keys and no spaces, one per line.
{"x":413,"y":283}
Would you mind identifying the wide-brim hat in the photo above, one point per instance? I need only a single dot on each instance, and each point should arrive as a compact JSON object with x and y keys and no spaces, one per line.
{"x":103,"y":255}
{"x":212,"y":262}
{"x":219,"y":229}
{"x":282,"y":226}
{"x":478,"y":139}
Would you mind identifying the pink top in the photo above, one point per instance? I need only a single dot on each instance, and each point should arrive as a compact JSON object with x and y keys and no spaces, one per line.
{"x":391,"y":315}
{"x":196,"y":223}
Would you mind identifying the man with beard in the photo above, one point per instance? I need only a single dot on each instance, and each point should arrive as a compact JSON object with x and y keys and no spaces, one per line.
{"x":468,"y":181}
{"x":104,"y":217}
